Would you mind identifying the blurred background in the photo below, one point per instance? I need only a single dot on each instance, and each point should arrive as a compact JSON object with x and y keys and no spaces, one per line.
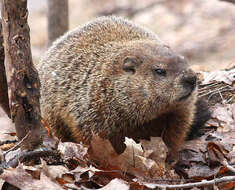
{"x":203,"y":31}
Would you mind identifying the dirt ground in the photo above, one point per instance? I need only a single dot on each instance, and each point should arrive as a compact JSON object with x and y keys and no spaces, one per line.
{"x":203,"y":31}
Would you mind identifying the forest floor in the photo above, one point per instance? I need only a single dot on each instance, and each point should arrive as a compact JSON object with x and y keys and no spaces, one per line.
{"x":204,"y":32}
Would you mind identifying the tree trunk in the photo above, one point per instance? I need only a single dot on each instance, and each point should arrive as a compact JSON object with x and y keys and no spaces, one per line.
{"x":22,"y":77}
{"x":4,"y":101}
{"x":57,"y":19}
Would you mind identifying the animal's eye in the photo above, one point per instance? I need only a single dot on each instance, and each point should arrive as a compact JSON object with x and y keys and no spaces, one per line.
{"x":160,"y":72}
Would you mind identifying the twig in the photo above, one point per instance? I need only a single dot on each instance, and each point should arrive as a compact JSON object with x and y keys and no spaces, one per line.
{"x":226,"y":164}
{"x":17,"y":145}
{"x":202,"y":86}
{"x":219,"y":92}
{"x":211,"y":87}
{"x":229,"y":100}
{"x":215,"y":91}
{"x":221,"y":96}
{"x":156,"y":180}
{"x":197,"y":184}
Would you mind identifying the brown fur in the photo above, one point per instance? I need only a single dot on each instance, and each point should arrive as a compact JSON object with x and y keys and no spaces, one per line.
{"x":87,"y":87}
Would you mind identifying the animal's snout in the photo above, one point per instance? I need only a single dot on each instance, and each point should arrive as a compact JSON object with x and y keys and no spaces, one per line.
{"x":189,"y":81}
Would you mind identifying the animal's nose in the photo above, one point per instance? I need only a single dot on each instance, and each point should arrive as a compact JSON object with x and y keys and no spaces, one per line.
{"x":189,"y":80}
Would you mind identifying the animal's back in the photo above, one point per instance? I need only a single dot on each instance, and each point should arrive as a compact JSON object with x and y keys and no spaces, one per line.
{"x":73,"y":64}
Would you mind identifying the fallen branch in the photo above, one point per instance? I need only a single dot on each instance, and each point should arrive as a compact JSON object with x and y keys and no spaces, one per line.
{"x":17,"y":145}
{"x":197,"y":184}
{"x":216,"y":92}
{"x":226,"y":164}
{"x":29,"y":156}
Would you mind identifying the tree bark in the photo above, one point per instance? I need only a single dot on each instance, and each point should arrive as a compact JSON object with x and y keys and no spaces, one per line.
{"x":4,"y":101}
{"x":22,"y":77}
{"x":57,"y":19}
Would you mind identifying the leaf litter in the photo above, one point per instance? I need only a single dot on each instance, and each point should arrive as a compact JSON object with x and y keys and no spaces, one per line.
{"x":142,"y":165}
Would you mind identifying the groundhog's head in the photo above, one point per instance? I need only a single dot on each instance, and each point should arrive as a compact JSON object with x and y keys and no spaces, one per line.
{"x":153,"y":79}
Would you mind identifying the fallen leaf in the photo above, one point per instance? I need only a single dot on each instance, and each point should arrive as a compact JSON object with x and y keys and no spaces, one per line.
{"x":201,"y":171}
{"x":156,"y":150}
{"x":134,"y":160}
{"x":72,"y":150}
{"x":7,"y":132}
{"x":10,"y":155}
{"x":227,"y":77}
{"x":223,"y":115}
{"x":227,"y":186}
{"x":130,"y":158}
{"x":102,"y":151}
{"x":116,"y":184}
{"x":79,"y":171}
{"x":34,"y":171}
{"x":23,"y":180}
{"x":216,"y":153}
{"x":54,"y":171}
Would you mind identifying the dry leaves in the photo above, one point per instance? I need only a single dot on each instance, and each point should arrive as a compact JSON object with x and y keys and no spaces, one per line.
{"x":227,"y":77}
{"x":223,"y":117}
{"x":141,"y":165}
{"x":148,"y":161}
{"x":23,"y":180}
{"x":7,"y":132}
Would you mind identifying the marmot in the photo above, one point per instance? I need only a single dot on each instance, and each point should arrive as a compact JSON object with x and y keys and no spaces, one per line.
{"x":115,"y":78}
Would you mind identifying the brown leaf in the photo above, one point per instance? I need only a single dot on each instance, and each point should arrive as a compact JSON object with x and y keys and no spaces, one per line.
{"x":6,"y":147}
{"x":71,"y":150}
{"x":68,"y":177}
{"x":101,"y":150}
{"x":79,"y":171}
{"x":34,"y":171}
{"x":1,"y":156}
{"x":216,"y":153}
{"x":61,"y":181}
{"x":21,"y":179}
{"x":131,"y":157}
{"x":147,"y":167}
{"x":201,"y":171}
{"x":156,"y":150}
{"x":227,"y":186}
{"x":7,"y":128}
{"x":116,"y":184}
{"x":47,"y":127}
{"x":223,"y":116}
{"x":53,"y":171}
{"x":134,"y":159}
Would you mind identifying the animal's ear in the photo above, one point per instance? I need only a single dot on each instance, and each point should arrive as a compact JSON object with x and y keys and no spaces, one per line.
{"x":130,"y":64}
